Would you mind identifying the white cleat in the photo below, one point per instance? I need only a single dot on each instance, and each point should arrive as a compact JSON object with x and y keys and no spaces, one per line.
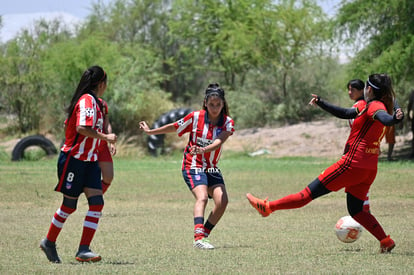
{"x":203,"y":243}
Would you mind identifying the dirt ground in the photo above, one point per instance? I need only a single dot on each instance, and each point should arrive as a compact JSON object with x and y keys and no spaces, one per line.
{"x":317,"y":139}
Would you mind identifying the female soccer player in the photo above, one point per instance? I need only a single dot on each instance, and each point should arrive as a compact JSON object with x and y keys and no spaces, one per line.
{"x":209,"y":128}
{"x":357,"y":168}
{"x":78,"y":169}
{"x":356,"y":93}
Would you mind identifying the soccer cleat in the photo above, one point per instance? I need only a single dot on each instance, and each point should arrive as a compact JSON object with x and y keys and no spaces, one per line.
{"x":262,"y":206}
{"x":50,"y":250}
{"x":87,"y":256}
{"x":203,"y":243}
{"x":386,"y":245}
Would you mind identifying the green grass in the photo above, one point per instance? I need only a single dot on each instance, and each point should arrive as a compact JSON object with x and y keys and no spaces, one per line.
{"x":147,"y":224}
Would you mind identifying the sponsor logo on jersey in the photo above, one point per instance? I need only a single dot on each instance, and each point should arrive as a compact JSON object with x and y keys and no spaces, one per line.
{"x":203,"y":142}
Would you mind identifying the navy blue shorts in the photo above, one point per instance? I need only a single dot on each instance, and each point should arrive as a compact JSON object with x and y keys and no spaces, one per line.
{"x":198,"y":176}
{"x":74,"y":175}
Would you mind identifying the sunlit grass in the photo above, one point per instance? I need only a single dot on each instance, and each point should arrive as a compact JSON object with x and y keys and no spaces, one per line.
{"x":147,"y":225}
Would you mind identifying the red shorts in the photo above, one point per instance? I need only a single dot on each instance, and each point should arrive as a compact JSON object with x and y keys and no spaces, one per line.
{"x":103,"y":153}
{"x":356,"y":181}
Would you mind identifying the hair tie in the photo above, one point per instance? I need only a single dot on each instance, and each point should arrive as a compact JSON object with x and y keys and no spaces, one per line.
{"x":102,"y":78}
{"x":215,"y":91}
{"x":372,"y":85}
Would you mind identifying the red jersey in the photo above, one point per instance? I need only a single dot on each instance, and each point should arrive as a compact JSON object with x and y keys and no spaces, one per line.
{"x":359,"y":105}
{"x":363,"y":145}
{"x":85,"y":113}
{"x":202,"y":133}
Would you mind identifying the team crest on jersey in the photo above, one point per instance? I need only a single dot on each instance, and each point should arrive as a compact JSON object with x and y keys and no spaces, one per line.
{"x":219,"y":130}
{"x":89,"y":112}
{"x":68,"y":185}
{"x":180,"y":122}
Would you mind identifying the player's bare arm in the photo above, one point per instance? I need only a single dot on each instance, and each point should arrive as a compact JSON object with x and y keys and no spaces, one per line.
{"x":168,"y":128}
{"x":194,"y":150}
{"x":89,"y":132}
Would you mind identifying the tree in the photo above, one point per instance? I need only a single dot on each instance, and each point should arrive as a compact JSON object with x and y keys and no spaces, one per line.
{"x":386,"y":31}
{"x":21,"y":78}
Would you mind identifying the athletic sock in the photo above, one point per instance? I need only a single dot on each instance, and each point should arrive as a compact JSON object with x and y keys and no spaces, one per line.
{"x":105,"y":187}
{"x":292,"y":201}
{"x":90,"y":224}
{"x":58,"y":221}
{"x":366,"y":207}
{"x":207,"y":228}
{"x":370,"y":223}
{"x":198,"y":228}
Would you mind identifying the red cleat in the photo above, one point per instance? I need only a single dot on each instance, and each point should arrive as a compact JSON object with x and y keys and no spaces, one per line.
{"x":387,"y":245}
{"x":262,"y":206}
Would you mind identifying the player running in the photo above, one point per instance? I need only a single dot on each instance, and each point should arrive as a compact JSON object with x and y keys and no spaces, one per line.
{"x":78,"y":169}
{"x":357,"y":168}
{"x":209,"y":128}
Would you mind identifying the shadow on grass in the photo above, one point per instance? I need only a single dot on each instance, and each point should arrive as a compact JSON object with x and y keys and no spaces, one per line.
{"x":228,"y":246}
{"x":103,"y":262}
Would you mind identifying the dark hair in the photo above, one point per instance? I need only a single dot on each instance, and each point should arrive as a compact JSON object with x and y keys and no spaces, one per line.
{"x":356,"y":84}
{"x":214,"y":89}
{"x":89,"y":81}
{"x":383,"y":91}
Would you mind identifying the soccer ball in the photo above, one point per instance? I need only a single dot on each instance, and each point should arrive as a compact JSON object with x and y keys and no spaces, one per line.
{"x":348,"y":230}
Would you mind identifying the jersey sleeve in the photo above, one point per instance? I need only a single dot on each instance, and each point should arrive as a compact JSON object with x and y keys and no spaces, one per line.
{"x":85,"y":112}
{"x":184,"y":125}
{"x":359,"y":105}
{"x":229,"y":125}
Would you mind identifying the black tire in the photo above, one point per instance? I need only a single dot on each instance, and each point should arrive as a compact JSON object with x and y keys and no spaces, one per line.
{"x":156,"y":142}
{"x":37,"y":140}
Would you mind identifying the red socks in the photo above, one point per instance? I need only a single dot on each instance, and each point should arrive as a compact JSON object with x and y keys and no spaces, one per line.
{"x":91,"y":224}
{"x":370,"y":223}
{"x":105,"y":187}
{"x":292,"y":201}
{"x":198,"y":232}
{"x":57,"y":222}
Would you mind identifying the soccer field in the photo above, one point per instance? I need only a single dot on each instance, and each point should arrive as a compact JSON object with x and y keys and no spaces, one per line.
{"x":147,"y":223}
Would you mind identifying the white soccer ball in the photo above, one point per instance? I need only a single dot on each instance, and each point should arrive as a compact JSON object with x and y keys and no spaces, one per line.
{"x":348,"y":230}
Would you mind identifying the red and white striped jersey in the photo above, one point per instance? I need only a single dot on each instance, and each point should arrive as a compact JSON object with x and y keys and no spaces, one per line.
{"x":86,"y":113}
{"x":202,"y":133}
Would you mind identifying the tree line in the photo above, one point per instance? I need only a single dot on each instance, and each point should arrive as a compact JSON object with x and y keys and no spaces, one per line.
{"x":268,"y":55}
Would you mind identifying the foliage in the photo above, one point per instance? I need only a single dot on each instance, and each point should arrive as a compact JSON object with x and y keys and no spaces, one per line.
{"x":21,"y":77}
{"x":386,"y":29}
{"x":269,"y":55}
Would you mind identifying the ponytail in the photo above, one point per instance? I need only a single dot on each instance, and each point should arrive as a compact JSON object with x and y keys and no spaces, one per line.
{"x":89,"y":81}
{"x":382,"y":88}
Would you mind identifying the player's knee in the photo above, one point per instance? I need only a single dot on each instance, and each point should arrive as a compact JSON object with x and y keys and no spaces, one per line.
{"x":317,"y":189}
{"x":70,"y":203}
{"x":354,"y":205}
{"x":97,"y":202}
